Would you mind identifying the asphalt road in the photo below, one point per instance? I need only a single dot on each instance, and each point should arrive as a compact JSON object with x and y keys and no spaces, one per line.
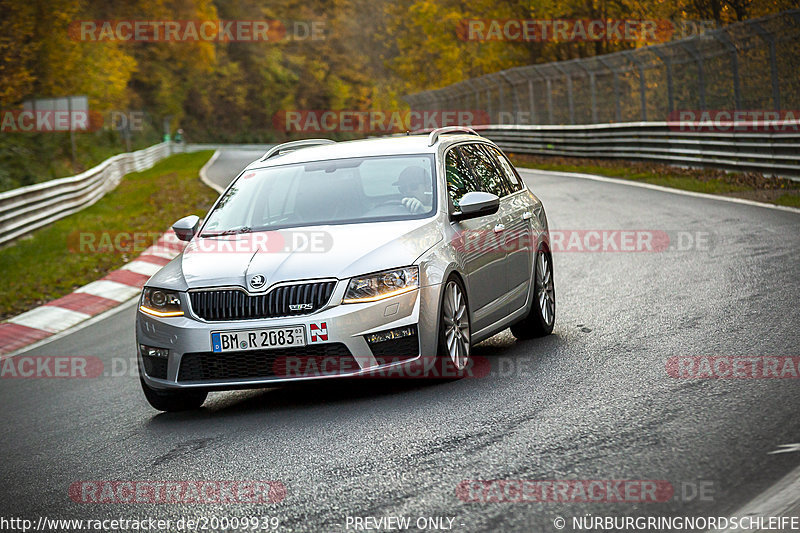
{"x":229,"y":163}
{"x":591,"y":402}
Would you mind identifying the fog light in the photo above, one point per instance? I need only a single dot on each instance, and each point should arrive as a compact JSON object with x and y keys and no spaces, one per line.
{"x":391,"y":334}
{"x":152,"y":351}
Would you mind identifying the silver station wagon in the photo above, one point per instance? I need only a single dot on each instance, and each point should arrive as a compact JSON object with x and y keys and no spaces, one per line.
{"x":325,"y":260}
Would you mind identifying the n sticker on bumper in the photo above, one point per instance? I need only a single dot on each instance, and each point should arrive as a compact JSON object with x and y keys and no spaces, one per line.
{"x":319,"y":332}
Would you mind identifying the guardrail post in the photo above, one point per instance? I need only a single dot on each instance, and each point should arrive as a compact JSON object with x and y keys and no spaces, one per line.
{"x":73,"y":145}
{"x":515,"y":97}
{"x":722,"y":37}
{"x":615,"y":79}
{"x":667,"y":60}
{"x":489,"y":104}
{"x":475,"y":94}
{"x":642,"y":86}
{"x":438,"y":101}
{"x":701,"y":82}
{"x":531,"y":101}
{"x":570,"y":100}
{"x":465,"y":95}
{"x":546,"y":80}
{"x":461,"y":97}
{"x":570,"y":103}
{"x":500,"y":99}
{"x":773,"y":63}
{"x":592,"y":88}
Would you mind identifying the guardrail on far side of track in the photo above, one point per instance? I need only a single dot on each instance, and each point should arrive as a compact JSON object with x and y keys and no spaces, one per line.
{"x":29,"y":208}
{"x":735,"y":147}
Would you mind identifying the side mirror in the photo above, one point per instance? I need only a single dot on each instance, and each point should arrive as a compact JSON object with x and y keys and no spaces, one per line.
{"x":477,"y":204}
{"x":186,"y":227}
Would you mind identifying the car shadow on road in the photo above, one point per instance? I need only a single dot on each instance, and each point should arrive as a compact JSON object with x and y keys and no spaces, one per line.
{"x":497,"y":358}
{"x":294,"y":397}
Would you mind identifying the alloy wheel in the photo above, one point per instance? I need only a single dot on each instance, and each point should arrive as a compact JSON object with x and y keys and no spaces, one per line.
{"x":456,"y":325}
{"x":545,"y":289}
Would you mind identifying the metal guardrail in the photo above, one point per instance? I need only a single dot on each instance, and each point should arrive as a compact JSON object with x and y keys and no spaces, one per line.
{"x":770,"y":153}
{"x":29,"y":208}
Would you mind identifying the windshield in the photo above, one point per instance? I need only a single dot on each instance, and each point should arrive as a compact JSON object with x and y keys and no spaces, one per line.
{"x":340,"y":191}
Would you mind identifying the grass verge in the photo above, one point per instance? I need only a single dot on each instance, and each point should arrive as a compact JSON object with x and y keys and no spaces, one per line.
{"x":751,"y":186}
{"x":49,"y":263}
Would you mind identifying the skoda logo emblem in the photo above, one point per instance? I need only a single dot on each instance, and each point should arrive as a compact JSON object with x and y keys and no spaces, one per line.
{"x":257,"y":281}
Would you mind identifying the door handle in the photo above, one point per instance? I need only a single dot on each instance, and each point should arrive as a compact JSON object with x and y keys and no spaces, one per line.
{"x":526,"y":215}
{"x":500,"y":227}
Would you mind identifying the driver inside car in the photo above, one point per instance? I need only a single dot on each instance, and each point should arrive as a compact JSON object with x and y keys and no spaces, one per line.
{"x":413,"y":183}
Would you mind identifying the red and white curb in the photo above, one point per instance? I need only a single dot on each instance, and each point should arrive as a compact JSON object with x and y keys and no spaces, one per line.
{"x":90,"y":300}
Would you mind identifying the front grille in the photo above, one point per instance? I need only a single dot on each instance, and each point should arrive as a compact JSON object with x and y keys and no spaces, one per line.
{"x":234,"y":304}
{"x":301,"y":361}
{"x":155,"y":367}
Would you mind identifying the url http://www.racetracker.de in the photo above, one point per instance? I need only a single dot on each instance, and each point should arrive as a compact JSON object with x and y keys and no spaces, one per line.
{"x":144,"y":524}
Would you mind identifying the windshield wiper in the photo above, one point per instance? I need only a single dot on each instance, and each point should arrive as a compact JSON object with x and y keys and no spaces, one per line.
{"x":235,"y":231}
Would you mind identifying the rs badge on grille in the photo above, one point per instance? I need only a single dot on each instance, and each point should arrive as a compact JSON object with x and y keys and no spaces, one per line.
{"x":301,"y":307}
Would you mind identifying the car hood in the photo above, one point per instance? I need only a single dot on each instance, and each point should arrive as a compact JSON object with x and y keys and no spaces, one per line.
{"x":338,"y":251}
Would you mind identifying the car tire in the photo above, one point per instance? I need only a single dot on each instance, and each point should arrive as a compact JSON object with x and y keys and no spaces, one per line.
{"x":542,"y":313}
{"x":455,"y":335}
{"x":173,"y":400}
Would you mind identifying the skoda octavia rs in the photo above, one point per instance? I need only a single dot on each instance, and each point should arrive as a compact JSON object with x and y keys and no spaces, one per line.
{"x":326,"y":260}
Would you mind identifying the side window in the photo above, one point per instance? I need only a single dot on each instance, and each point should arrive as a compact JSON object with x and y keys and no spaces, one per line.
{"x":509,"y":172}
{"x":488,"y":175}
{"x":459,"y":177}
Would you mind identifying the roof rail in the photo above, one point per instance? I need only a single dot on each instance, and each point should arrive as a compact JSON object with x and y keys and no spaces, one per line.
{"x":276,"y":150}
{"x":434,"y":136}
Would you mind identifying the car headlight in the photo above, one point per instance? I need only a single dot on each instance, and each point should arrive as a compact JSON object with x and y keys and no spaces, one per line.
{"x":382,"y":285}
{"x":160,"y":303}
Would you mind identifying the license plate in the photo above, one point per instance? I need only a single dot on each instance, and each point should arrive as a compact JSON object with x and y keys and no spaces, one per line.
{"x":258,"y":339}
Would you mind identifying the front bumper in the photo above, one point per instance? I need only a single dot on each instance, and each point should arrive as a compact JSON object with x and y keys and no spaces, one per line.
{"x":344,"y":353}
